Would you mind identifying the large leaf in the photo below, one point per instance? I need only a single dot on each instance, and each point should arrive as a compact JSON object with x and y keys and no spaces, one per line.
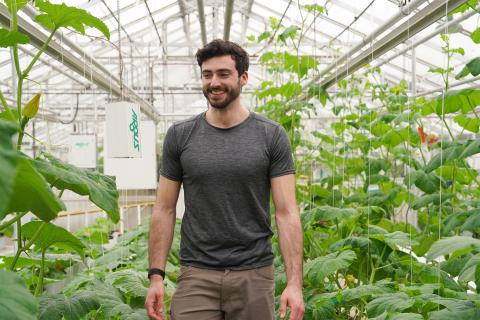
{"x":473,"y":68}
{"x":113,"y":258}
{"x":129,"y":281}
{"x":406,"y":316}
{"x":472,"y":148}
{"x":441,"y":158}
{"x":101,"y":189}
{"x":473,"y":221}
{"x":469,"y":271}
{"x":58,"y":307}
{"x":60,"y":15}
{"x":389,"y":302}
{"x":16,"y":302}
{"x":450,"y":245}
{"x":395,"y":240}
{"x":427,"y":182}
{"x":470,"y":124}
{"x":11,"y":38}
{"x":20,"y":4}
{"x":52,"y":235}
{"x":321,"y":267}
{"x":32,"y":193}
{"x":368,"y":290}
{"x":8,"y":163}
{"x":113,"y":304}
{"x":427,"y":199}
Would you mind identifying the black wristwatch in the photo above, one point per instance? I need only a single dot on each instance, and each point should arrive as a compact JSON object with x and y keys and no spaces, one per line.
{"x":154,"y":271}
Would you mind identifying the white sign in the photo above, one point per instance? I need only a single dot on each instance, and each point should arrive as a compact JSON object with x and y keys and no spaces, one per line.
{"x":83,"y":150}
{"x":136,"y":173}
{"x":123,"y":130}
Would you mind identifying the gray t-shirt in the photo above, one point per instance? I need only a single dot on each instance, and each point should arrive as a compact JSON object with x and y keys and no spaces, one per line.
{"x":226,"y":180}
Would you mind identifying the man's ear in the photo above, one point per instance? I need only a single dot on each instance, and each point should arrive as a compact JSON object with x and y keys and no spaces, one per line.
{"x":244,"y":78}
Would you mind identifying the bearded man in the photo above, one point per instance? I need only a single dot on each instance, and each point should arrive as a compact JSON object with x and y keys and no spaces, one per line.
{"x":229,"y":160}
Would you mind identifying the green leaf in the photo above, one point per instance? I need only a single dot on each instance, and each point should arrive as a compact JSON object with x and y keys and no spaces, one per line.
{"x":8,"y":164}
{"x":472,"y":148}
{"x":468,"y":273}
{"x":113,"y":258}
{"x":427,"y":182}
{"x":470,"y":124}
{"x":321,"y":267}
{"x":52,"y":235}
{"x":16,"y":302}
{"x":263,"y":36}
{"x":11,"y":38}
{"x":475,"y":36}
{"x":451,"y":244}
{"x":441,"y":158}
{"x":32,"y":193}
{"x":395,"y":240}
{"x":406,"y":316}
{"x":461,"y":310}
{"x":20,"y":4}
{"x":101,"y":189}
{"x":58,"y":307}
{"x":473,"y":221}
{"x":427,"y":199}
{"x":129,"y":281}
{"x":389,"y":302}
{"x":113,"y":305}
{"x":60,"y":15}
{"x":289,"y":32}
{"x":472,"y":67}
{"x":363,"y":291}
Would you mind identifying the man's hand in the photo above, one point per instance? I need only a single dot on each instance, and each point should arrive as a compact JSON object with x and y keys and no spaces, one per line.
{"x":292,"y":297}
{"x":154,"y":300}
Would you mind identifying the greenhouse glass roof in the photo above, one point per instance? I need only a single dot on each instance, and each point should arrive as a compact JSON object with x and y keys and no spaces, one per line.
{"x":152,"y":46}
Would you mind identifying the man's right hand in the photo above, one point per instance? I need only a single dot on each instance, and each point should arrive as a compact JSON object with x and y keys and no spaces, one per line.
{"x":154,"y":300}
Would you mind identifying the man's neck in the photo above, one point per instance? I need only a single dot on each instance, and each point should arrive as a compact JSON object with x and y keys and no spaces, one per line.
{"x":227,"y":117}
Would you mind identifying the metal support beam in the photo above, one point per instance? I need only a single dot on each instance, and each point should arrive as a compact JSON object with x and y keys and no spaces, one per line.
{"x":246,"y":18}
{"x":201,"y":18}
{"x":228,"y":19}
{"x":425,"y":17}
{"x":37,"y":39}
{"x":366,"y":40}
{"x":427,"y":37}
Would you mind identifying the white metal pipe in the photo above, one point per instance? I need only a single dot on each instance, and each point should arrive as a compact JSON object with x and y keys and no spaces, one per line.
{"x":380,"y":30}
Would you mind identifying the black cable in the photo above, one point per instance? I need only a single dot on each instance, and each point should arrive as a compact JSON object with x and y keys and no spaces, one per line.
{"x":74,"y":115}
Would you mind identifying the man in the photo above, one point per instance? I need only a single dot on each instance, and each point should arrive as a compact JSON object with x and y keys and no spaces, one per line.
{"x":228,"y":160}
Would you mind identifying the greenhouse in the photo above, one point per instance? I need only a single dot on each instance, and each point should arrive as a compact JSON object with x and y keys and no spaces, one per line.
{"x":307,"y":159}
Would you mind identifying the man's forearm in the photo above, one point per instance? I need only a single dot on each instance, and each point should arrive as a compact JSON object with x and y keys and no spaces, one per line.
{"x":162,"y":227}
{"x":290,"y":236}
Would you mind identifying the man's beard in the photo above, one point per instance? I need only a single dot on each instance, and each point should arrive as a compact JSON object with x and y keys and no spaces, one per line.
{"x":231,"y":94}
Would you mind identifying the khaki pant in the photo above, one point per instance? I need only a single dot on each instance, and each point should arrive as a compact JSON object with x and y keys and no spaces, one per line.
{"x":204,"y":294}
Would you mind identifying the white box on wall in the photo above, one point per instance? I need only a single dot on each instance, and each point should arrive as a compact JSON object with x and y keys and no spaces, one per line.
{"x":136,"y":173}
{"x":83,"y":150}
{"x":123,"y":130}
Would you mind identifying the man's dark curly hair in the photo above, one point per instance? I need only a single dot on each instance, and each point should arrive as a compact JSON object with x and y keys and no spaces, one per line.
{"x":218,"y":48}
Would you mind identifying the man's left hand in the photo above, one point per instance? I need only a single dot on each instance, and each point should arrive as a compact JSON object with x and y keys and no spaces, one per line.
{"x":292,"y":297}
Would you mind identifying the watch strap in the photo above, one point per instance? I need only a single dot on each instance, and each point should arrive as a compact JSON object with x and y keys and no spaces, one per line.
{"x":155,"y":271}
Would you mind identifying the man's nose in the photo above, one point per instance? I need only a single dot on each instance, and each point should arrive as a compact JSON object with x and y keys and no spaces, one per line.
{"x":215,"y":81}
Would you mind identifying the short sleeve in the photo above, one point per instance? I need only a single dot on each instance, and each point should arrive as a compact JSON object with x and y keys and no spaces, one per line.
{"x":281,"y":160}
{"x":171,"y":167}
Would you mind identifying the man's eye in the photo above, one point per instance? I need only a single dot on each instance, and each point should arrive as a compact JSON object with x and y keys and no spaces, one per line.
{"x":224,"y":75}
{"x":207,"y":75}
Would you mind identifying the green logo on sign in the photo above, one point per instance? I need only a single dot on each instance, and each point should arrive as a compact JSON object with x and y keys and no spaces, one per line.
{"x":134,"y":129}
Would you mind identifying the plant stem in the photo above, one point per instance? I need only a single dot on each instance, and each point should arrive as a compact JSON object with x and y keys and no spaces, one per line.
{"x":35,"y":58}
{"x":11,"y":221}
{"x":5,"y":105}
{"x":26,"y":246}
{"x":39,"y":289}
